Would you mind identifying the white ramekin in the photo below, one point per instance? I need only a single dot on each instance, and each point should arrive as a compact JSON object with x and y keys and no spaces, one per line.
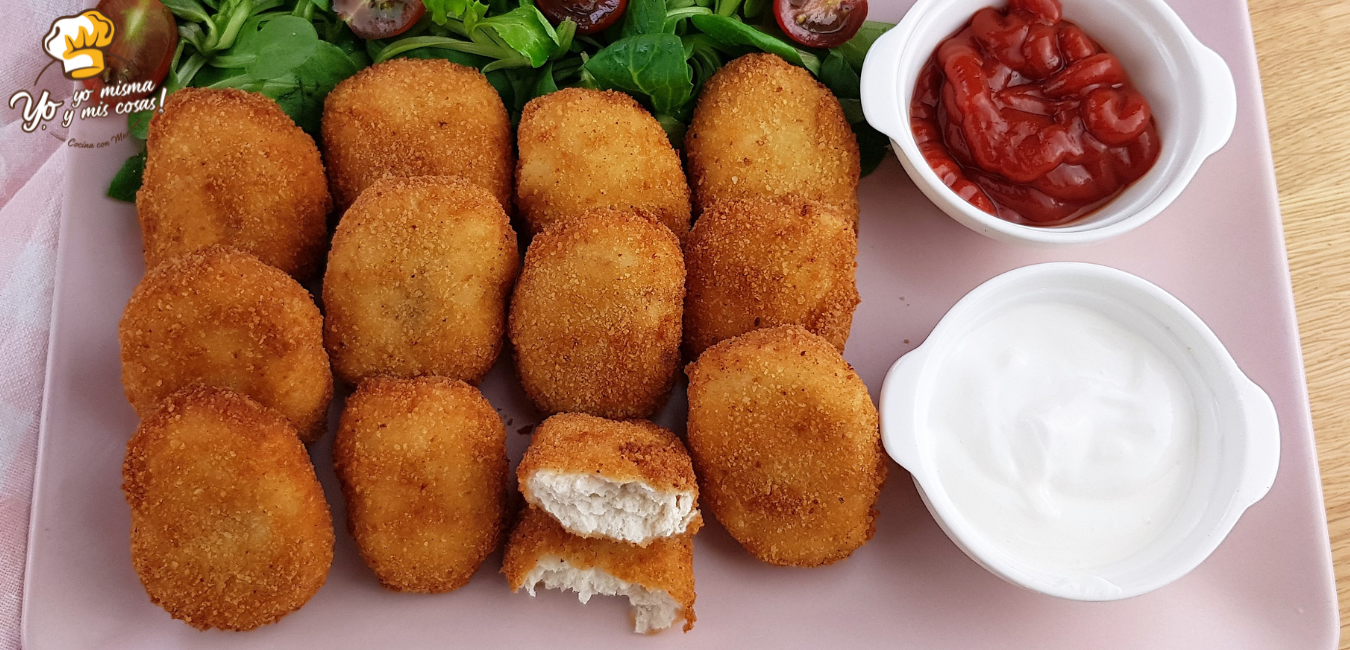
{"x":1188,"y":85}
{"x":1239,"y":436}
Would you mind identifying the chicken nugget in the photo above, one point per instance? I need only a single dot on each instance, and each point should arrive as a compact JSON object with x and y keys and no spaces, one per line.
{"x":765,"y":262}
{"x":417,"y":281}
{"x":417,"y":117}
{"x":230,"y":167}
{"x":763,"y":128}
{"x":785,"y":442}
{"x":423,"y":468}
{"x":596,"y":316}
{"x":631,"y":481}
{"x":229,"y":527}
{"x":220,"y":317}
{"x":583,"y":149}
{"x":657,"y":579}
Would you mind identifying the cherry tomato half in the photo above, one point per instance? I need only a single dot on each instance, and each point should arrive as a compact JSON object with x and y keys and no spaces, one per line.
{"x":820,"y":23}
{"x":144,"y":38}
{"x":591,"y":16}
{"x":372,"y":19}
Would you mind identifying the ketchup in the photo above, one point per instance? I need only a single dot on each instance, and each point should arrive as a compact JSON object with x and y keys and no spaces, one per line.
{"x":1024,"y":116}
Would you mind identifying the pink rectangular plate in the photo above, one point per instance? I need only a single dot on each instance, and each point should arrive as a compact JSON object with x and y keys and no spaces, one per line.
{"x":1219,"y":248}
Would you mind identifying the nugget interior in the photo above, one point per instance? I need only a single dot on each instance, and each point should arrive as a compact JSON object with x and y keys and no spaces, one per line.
{"x":653,"y":609}
{"x":632,"y":511}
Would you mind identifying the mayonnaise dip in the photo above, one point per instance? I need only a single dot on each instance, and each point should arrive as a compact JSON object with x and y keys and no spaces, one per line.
{"x":1062,"y":437}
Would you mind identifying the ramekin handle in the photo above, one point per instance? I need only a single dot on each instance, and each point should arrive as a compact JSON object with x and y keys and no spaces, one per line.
{"x":898,"y":402}
{"x":880,"y":95}
{"x":1263,"y":444}
{"x":1220,"y":94}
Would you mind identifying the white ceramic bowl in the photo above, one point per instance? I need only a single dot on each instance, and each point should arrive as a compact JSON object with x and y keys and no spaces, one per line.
{"x":1239,"y":437}
{"x":1188,"y":85}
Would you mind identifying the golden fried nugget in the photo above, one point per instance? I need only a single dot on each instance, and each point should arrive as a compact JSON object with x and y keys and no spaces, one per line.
{"x":596,"y":316}
{"x":417,"y":281}
{"x":631,"y":481}
{"x":230,"y":167}
{"x":658,"y":579}
{"x":765,"y":262}
{"x":229,"y":527}
{"x":417,"y":117}
{"x":583,"y":149}
{"x":785,"y":441}
{"x":221,"y":318}
{"x":764,"y":128}
{"x":423,"y":468}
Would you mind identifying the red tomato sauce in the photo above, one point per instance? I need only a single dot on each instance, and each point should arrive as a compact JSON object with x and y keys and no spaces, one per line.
{"x":1026,"y":117}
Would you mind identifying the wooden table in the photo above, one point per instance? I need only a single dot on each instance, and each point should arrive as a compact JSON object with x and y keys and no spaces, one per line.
{"x":1304,"y":51}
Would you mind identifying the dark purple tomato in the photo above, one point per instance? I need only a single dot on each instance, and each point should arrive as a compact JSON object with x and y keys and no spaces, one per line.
{"x":820,"y":23}
{"x":591,"y":16}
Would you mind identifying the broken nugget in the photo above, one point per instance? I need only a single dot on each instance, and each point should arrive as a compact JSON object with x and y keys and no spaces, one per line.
{"x":631,"y":481}
{"x":658,"y":579}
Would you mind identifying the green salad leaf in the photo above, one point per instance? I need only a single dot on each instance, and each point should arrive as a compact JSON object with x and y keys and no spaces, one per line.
{"x":127,"y":181}
{"x":733,"y":33}
{"x":644,"y":17}
{"x":662,"y":52}
{"x":650,"y":65}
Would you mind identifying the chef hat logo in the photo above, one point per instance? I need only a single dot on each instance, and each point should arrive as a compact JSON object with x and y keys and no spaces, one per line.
{"x":75,"y":41}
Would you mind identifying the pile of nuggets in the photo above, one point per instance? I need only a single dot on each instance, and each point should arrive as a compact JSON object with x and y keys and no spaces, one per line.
{"x":229,"y":362}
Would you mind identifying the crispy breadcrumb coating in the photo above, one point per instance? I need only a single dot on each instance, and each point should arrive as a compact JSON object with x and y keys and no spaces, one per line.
{"x":229,"y":527}
{"x":764,"y":128}
{"x":583,"y":149}
{"x":785,"y":442}
{"x":417,"y":281}
{"x":230,"y":167}
{"x":222,"y":318}
{"x":631,"y":450}
{"x":596,"y":317}
{"x":665,"y":564}
{"x":417,"y":117}
{"x":766,"y":262}
{"x":423,"y":468}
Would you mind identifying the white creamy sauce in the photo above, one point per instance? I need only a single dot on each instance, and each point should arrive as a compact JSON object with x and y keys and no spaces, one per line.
{"x":1063,"y":437}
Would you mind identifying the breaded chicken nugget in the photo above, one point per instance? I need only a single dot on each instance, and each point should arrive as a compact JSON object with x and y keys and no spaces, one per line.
{"x":416,"y":117}
{"x":229,"y":527}
{"x":764,"y":127}
{"x":766,"y":262}
{"x":630,"y":481}
{"x":583,"y":149}
{"x":417,"y":281}
{"x":423,"y":467}
{"x":595,"y":319}
{"x":230,"y":167}
{"x":221,"y":318}
{"x":658,"y":579}
{"x":785,"y":441}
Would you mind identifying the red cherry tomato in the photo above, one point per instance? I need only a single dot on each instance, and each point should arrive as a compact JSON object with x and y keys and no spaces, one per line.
{"x":820,"y":23}
{"x":373,"y":19}
{"x":144,"y":38}
{"x":591,"y":16}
